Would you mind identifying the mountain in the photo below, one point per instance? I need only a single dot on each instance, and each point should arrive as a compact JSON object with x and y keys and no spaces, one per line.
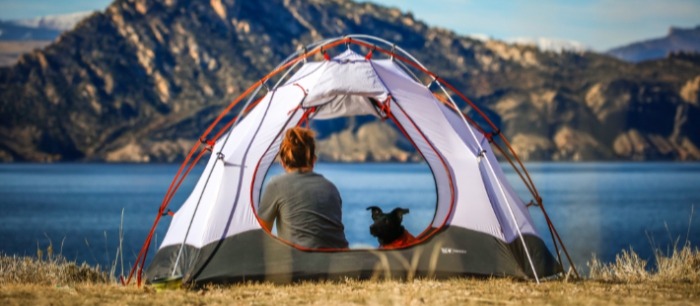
{"x":16,"y":40}
{"x":44,"y":28}
{"x":140,"y":81}
{"x":24,"y":35}
{"x":677,"y":40}
{"x":10,"y":31}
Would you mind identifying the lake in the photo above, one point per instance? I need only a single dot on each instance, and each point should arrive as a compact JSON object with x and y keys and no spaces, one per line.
{"x":598,"y":208}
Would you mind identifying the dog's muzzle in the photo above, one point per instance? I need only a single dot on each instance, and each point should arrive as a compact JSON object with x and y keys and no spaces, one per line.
{"x":373,"y":230}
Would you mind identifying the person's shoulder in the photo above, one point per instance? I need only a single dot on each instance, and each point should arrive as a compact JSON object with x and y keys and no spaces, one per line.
{"x":278,"y":179}
{"x":316,"y":175}
{"x":322,"y":178}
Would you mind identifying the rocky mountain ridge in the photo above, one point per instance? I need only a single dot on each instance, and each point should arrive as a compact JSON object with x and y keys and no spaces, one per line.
{"x":677,"y":40}
{"x":140,"y":81}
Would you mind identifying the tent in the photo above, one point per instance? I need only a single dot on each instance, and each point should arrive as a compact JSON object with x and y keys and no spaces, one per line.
{"x":480,"y":226}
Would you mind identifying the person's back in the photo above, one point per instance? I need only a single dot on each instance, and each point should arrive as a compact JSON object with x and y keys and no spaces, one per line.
{"x":305,"y":207}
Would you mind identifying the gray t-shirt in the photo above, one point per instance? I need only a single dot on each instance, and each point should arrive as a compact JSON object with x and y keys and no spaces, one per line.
{"x":307,"y":210}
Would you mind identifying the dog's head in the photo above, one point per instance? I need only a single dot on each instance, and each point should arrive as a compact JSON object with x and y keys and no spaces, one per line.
{"x":387,"y":227}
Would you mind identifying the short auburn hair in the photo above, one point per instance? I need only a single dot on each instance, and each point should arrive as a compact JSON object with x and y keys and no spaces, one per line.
{"x":298,"y":148}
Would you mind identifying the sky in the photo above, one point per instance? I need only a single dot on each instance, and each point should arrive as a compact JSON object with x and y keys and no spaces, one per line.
{"x":598,"y":24}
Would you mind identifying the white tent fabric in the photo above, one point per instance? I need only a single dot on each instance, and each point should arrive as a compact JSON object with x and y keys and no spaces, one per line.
{"x":472,"y":191}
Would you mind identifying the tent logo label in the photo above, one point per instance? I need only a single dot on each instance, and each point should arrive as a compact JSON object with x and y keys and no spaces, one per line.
{"x":452,"y":251}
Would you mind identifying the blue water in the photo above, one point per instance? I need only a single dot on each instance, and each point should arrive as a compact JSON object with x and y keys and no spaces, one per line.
{"x":598,"y":208}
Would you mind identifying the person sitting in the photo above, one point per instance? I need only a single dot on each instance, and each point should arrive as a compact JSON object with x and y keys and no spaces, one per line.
{"x":305,"y":206}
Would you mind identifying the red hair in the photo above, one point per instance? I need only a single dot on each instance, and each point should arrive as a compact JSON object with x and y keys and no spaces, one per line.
{"x":298,"y":148}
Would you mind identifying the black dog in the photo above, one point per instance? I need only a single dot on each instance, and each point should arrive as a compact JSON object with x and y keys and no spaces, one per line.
{"x":388,"y":229}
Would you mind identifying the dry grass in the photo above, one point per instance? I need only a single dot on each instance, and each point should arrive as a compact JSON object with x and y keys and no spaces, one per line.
{"x":52,"y":271}
{"x":352,"y":292}
{"x":681,"y":265}
{"x":35,"y":281}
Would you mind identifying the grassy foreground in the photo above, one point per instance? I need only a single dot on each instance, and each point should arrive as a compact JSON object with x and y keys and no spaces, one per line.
{"x":430,"y":292}
{"x":55,"y":281}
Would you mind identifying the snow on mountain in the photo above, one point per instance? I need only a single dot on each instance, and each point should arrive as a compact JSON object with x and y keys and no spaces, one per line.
{"x":542,"y":43}
{"x":479,"y":37}
{"x":549,"y":44}
{"x":57,"y":22}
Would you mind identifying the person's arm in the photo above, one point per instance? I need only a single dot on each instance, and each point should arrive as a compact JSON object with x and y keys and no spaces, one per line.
{"x":267,"y":210}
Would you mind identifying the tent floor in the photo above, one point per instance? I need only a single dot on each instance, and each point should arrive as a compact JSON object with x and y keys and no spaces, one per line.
{"x":257,"y":256}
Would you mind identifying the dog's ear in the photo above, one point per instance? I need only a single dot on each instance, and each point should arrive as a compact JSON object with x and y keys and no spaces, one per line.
{"x":399,"y":212}
{"x":376,"y":212}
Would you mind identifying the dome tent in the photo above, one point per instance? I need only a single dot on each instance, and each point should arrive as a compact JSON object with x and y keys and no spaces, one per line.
{"x":480,"y":226}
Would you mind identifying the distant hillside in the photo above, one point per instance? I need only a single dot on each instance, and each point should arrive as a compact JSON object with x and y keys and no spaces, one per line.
{"x":24,"y":35}
{"x":10,"y":31}
{"x":54,"y":22}
{"x":11,"y":50}
{"x":16,"y":40}
{"x":677,"y":40}
{"x":141,"y":80}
